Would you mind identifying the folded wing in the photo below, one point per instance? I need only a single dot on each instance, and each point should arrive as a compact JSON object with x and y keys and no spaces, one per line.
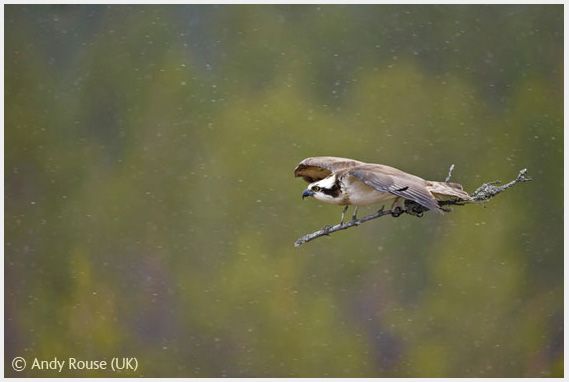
{"x":396,"y":182}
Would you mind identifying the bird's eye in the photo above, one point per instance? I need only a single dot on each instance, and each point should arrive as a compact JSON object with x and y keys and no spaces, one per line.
{"x":316,"y":188}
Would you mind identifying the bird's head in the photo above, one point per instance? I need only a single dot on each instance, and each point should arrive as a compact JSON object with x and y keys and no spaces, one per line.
{"x":325,"y":190}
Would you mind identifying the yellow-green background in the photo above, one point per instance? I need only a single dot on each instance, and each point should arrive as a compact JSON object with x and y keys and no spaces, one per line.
{"x":150,"y":207}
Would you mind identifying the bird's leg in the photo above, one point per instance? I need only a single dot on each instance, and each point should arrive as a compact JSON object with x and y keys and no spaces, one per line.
{"x":343,"y":214}
{"x":355,"y":214}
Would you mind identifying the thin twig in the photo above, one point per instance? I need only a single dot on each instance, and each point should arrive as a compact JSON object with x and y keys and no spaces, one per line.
{"x":449,"y":173}
{"x":481,"y":194}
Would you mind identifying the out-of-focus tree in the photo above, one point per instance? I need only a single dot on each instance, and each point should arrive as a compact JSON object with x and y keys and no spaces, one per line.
{"x":151,"y":209}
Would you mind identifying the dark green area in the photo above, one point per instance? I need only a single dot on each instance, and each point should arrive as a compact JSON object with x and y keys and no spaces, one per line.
{"x":150,"y":208}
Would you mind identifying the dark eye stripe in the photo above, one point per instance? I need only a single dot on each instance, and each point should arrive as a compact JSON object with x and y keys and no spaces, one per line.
{"x":334,"y":191}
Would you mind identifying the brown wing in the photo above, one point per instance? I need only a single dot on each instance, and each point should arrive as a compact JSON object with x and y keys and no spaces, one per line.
{"x":396,"y":182}
{"x":318,"y":168}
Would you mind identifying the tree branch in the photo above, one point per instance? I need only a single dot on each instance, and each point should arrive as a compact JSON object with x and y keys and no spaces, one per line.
{"x":481,"y":194}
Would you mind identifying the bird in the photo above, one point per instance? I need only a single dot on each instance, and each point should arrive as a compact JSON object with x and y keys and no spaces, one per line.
{"x":349,"y":182}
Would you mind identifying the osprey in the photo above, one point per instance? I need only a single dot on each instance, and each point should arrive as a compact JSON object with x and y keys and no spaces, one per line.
{"x":347,"y":182}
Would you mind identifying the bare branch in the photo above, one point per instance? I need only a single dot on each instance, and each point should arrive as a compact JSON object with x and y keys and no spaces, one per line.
{"x":327,"y":230}
{"x":481,"y":194}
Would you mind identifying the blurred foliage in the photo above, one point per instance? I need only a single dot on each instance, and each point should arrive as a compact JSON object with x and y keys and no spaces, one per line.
{"x":150,"y":208}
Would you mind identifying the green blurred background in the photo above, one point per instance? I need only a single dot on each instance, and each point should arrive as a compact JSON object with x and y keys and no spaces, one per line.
{"x":151,"y":210}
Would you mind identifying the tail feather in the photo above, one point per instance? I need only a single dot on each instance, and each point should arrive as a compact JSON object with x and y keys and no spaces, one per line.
{"x":446,"y":191}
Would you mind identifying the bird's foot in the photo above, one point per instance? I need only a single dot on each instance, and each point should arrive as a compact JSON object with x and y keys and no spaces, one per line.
{"x":355,"y":214}
{"x":354,"y":218}
{"x":397,"y":211}
{"x":415,"y":210}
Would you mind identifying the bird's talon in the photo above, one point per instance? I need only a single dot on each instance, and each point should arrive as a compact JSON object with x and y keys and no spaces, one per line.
{"x":396,"y":212}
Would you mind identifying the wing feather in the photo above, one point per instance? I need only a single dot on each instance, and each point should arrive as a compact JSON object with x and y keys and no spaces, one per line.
{"x":396,"y":182}
{"x":317,"y":168}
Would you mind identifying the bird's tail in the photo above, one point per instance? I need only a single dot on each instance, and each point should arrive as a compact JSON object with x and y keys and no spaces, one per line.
{"x":448,"y":191}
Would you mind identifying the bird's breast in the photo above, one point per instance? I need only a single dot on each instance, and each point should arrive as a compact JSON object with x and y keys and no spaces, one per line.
{"x":360,"y":194}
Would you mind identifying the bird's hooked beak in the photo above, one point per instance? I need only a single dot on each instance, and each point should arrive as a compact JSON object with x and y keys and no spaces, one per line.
{"x":307,"y":193}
